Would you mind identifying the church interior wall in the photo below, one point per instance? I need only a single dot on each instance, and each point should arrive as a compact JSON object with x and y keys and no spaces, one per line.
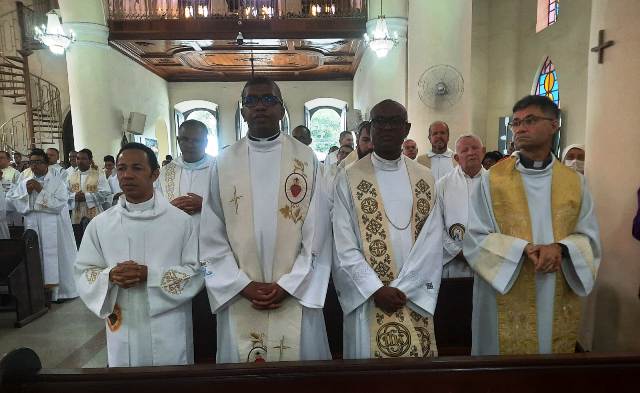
{"x":227,"y":95}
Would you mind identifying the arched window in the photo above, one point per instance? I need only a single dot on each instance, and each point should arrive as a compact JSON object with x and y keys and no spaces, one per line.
{"x":204,"y":111}
{"x":326,"y":118}
{"x":547,"y":14}
{"x":547,"y":82}
{"x":242,"y":127}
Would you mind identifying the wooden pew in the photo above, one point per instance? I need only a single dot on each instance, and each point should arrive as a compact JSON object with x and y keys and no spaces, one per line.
{"x":21,"y":272}
{"x":560,"y":373}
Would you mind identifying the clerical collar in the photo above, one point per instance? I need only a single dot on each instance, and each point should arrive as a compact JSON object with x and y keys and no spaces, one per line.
{"x":531,"y":164}
{"x":447,"y":153}
{"x":384,"y":164}
{"x":269,"y":138}
{"x":194,"y":165}
{"x":142,"y":206}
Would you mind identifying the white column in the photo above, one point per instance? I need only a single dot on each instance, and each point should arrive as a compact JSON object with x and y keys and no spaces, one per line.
{"x":96,"y":125}
{"x":439,"y":33}
{"x":381,"y":78}
{"x":613,"y":148}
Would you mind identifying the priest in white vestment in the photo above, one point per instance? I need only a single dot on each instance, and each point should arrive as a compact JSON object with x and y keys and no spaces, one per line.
{"x":455,"y":190}
{"x":440,"y":158}
{"x":533,"y":240}
{"x":73,"y":163}
{"x":42,"y":199}
{"x":88,"y":189}
{"x":259,"y":241}
{"x":388,"y":235}
{"x":137,"y":269}
{"x":185,"y":181}
{"x":112,"y":178}
{"x":8,"y":177}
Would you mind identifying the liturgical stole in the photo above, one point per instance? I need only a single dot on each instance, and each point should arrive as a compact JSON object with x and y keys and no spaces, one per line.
{"x":425,"y":160}
{"x":517,"y":314}
{"x":404,"y":333}
{"x":90,"y":186}
{"x":262,"y":335}
{"x":170,"y":187}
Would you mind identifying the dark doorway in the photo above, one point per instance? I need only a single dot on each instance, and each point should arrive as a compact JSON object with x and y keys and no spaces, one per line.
{"x":67,"y":136}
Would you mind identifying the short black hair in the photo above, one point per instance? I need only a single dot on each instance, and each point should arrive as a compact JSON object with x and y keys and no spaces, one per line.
{"x":168,"y":157}
{"x":88,"y":152}
{"x":53,"y":148}
{"x":494,"y":155}
{"x":38,"y":152}
{"x":262,"y":80}
{"x":151,"y":156}
{"x":196,"y":124}
{"x":365,"y":124}
{"x":546,"y":105}
{"x":6,"y":153}
{"x":18,"y":153}
{"x":343,"y":134}
{"x":109,"y":158}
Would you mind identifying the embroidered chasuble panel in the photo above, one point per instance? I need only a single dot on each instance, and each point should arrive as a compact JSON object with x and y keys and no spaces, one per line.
{"x":517,"y":310}
{"x":170,"y":186}
{"x":404,"y":333}
{"x":90,"y":186}
{"x":263,"y":335}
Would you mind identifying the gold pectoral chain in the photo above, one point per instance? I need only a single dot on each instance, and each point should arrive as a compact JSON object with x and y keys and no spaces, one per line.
{"x":396,"y":226}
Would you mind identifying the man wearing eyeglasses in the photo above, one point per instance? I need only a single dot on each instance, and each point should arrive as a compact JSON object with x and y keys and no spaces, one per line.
{"x":533,"y":241}
{"x":42,"y":199}
{"x":440,"y":158}
{"x":261,"y":235}
{"x":388,"y":236}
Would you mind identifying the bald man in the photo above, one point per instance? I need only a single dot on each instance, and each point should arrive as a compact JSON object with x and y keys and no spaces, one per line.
{"x":410,"y":149}
{"x":440,"y":157}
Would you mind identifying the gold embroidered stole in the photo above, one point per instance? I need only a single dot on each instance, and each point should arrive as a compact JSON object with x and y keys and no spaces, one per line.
{"x":266,"y":335}
{"x":404,"y":333}
{"x":90,"y":186}
{"x":168,"y":175}
{"x":349,"y":159}
{"x":425,"y":160}
{"x":517,"y":315}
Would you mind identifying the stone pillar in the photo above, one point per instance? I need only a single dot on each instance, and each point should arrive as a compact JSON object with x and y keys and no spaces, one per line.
{"x":439,"y":33}
{"x":381,"y":78}
{"x":613,"y":145}
{"x":96,"y":125}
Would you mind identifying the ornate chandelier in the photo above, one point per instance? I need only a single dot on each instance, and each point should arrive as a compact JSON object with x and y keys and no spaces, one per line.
{"x":381,"y":42}
{"x":53,"y":35}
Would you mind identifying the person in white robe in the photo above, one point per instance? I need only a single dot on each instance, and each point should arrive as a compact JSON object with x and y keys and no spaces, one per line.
{"x":4,"y":228}
{"x":112,"y":179}
{"x":345,"y":138}
{"x":265,"y":282}
{"x":73,"y":163}
{"x":573,"y":157}
{"x":533,"y":240}
{"x":185,"y":181}
{"x":88,"y":189}
{"x":53,"y":155}
{"x":137,"y":269}
{"x":42,"y":199}
{"x":388,"y":235}
{"x":440,"y":158}
{"x":454,"y":195}
{"x":8,"y":177}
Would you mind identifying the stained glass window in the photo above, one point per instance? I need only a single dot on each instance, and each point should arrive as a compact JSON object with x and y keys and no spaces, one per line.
{"x":547,"y":14}
{"x":554,"y":9}
{"x":547,"y":84}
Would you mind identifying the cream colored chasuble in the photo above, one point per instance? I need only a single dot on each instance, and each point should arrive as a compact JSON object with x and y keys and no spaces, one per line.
{"x":266,"y":335}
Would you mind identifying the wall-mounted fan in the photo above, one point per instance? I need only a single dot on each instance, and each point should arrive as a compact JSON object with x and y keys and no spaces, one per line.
{"x":441,"y":86}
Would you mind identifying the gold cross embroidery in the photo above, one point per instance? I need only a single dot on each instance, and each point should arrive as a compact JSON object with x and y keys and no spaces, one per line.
{"x":235,"y":198}
{"x":281,"y":347}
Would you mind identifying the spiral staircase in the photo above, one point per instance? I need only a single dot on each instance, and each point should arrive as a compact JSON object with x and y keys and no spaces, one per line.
{"x":39,"y":122}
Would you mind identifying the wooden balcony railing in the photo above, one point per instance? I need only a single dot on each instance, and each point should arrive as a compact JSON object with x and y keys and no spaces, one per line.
{"x":237,"y":9}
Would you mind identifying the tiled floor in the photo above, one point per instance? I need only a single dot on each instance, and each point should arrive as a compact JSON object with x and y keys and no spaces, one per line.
{"x":68,"y":336}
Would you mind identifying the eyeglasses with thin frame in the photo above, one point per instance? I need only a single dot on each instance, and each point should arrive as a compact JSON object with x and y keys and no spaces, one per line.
{"x":37,"y":162}
{"x":395,"y":121}
{"x":267,"y":100}
{"x":527,"y":121}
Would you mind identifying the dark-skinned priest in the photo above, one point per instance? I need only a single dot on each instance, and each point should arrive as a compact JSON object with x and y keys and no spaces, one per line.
{"x":137,"y":268}
{"x":388,"y":236}
{"x":260,"y":240}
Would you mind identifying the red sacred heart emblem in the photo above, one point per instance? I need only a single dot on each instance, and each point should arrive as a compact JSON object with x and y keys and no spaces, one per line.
{"x":295,"y":188}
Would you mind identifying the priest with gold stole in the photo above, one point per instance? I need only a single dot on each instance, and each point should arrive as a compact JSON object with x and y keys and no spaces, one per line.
{"x":388,"y":235}
{"x":88,"y":189}
{"x":259,"y":240}
{"x":533,"y":242}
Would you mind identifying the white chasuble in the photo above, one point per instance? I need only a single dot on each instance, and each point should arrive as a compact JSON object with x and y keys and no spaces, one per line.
{"x":93,"y":184}
{"x":148,"y":324}
{"x":440,"y":164}
{"x":517,"y":310}
{"x":454,"y":194}
{"x":387,"y":231}
{"x":4,"y":229}
{"x":260,"y":226}
{"x":46,"y":213}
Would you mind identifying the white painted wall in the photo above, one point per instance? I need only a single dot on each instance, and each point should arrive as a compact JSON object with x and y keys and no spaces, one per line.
{"x":227,"y":95}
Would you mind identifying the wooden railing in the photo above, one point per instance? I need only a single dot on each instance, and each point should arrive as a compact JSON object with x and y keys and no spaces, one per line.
{"x":240,"y":9}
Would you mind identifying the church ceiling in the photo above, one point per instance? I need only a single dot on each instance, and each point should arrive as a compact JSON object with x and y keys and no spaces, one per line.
{"x":225,"y":60}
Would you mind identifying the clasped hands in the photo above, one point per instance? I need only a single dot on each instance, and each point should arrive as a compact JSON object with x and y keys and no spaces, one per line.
{"x":128,"y":274}
{"x":80,"y":197}
{"x":190,"y":203}
{"x":546,"y":258}
{"x":33,"y":185}
{"x":264,"y":296}
{"x":389,"y":299}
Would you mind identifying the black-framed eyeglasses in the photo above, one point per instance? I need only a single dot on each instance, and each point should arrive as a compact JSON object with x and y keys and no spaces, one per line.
{"x":527,"y":121}
{"x":395,"y":121}
{"x":267,"y":100}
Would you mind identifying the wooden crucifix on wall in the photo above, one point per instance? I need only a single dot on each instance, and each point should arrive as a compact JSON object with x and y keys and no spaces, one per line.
{"x":601,"y":46}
